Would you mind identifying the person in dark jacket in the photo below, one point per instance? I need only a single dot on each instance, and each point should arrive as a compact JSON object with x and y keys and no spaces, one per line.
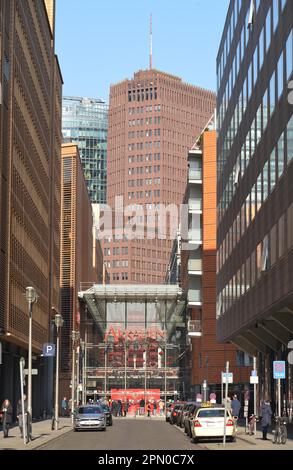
{"x":235,"y":407}
{"x":266,"y":415}
{"x":141,"y":406}
{"x":119,"y":408}
{"x":6,"y":410}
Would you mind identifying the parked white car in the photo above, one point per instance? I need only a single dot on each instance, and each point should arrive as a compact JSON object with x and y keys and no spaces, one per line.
{"x":208,"y":422}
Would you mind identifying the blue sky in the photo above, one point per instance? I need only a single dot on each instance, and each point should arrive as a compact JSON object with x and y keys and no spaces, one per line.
{"x":100,"y":42}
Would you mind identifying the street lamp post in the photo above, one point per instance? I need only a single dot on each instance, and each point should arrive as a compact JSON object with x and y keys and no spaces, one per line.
{"x":58,"y":320}
{"x":31,"y":297}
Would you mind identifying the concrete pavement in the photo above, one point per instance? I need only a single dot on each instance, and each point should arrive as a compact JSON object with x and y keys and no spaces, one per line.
{"x":42,"y":434}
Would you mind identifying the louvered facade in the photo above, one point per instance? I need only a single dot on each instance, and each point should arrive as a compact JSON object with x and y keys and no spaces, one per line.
{"x":30,"y":140}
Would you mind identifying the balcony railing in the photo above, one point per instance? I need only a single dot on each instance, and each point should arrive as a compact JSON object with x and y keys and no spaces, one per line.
{"x":194,"y":295}
{"x":195,"y":204}
{"x":194,"y":265}
{"x":195,"y":174}
{"x":194,"y":328}
{"x":195,"y":235}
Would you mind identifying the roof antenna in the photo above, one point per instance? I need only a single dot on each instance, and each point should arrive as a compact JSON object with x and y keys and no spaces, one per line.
{"x":151,"y":42}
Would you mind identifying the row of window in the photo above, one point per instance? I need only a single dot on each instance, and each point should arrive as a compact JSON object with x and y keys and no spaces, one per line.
{"x":147,"y":121}
{"x":142,"y":109}
{"x":138,"y":264}
{"x":142,"y":194}
{"x":142,"y":94}
{"x":141,"y":170}
{"x":142,"y":182}
{"x":147,"y":157}
{"x":142,"y":145}
{"x":116,"y":251}
{"x":120,"y":276}
{"x":273,"y":246}
{"x":259,"y":123}
{"x":144,"y":133}
{"x":249,"y":84}
{"x":273,"y":169}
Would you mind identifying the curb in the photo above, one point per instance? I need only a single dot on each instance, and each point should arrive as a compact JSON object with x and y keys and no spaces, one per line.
{"x":54,"y":438}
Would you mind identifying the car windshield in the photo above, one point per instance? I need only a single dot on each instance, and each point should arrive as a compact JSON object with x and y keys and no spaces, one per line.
{"x":90,"y":410}
{"x":105,"y":408}
{"x":211,"y":413}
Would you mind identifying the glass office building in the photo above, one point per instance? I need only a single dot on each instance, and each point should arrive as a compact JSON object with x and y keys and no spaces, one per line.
{"x":85,"y":122}
{"x":255,"y":191}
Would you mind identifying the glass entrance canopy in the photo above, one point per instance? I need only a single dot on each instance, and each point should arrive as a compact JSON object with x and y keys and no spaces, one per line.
{"x":136,"y":338}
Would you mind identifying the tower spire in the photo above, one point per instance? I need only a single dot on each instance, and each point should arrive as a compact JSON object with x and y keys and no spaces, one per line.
{"x":151,"y":42}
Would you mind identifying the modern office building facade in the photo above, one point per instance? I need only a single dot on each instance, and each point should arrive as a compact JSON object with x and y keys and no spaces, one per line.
{"x":193,"y":266}
{"x":78,"y":263}
{"x":255,"y":191}
{"x":153,"y":121}
{"x":30,"y":111}
{"x":85,"y":122}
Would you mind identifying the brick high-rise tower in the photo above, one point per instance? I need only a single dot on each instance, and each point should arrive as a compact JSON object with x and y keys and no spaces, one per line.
{"x":153,"y":121}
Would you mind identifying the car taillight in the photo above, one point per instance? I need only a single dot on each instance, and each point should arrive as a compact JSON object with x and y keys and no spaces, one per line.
{"x":230,"y":422}
{"x":196,"y":423}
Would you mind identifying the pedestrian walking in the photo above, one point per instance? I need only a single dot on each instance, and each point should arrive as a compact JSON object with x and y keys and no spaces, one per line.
{"x":161,"y":406}
{"x":6,"y":410}
{"x":64,"y":407}
{"x":19,"y":414}
{"x":141,"y":406}
{"x":235,"y":407}
{"x":149,"y":409}
{"x":119,"y":408}
{"x":266,"y":418}
{"x":155,"y":408}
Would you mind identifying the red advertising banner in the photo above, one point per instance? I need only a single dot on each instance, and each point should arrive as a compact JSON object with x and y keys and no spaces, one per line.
{"x":135,"y":394}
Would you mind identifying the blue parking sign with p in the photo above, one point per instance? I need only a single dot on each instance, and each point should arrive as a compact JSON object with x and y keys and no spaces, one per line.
{"x":49,"y":350}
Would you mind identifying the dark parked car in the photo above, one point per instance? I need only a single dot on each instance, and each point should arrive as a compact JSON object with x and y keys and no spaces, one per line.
{"x":184,"y":412}
{"x":174,"y":412}
{"x":179,"y":414}
{"x":89,"y":417}
{"x":108,"y":414}
{"x":188,"y":417}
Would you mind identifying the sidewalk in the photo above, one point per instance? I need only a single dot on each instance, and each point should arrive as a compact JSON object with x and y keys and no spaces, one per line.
{"x":42,"y":434}
{"x":247,"y":442}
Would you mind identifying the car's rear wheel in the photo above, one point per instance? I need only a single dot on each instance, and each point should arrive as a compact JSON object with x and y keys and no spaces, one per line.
{"x":194,"y":440}
{"x":75,"y":430}
{"x":232,"y":439}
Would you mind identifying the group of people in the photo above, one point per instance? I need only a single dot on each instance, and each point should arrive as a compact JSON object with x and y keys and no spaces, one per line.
{"x":266,"y":413}
{"x":7,"y":415}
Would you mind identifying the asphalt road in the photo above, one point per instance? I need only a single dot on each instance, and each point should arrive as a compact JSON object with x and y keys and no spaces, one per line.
{"x":126,"y":434}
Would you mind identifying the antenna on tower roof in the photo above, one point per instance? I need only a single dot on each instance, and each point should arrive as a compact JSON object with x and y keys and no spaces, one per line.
{"x":151,"y":42}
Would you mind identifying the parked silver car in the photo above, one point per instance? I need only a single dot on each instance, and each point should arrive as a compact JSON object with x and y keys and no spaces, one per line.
{"x":89,"y":417}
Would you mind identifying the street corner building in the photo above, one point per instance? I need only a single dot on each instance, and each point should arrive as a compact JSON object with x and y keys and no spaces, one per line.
{"x":154,"y":119}
{"x":30,"y":143}
{"x":255,"y":191}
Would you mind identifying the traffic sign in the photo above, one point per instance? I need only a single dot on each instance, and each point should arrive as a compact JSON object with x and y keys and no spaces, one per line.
{"x":199,"y":397}
{"x":49,"y":350}
{"x":230,"y":377}
{"x":279,"y":368}
{"x":253,"y":379}
{"x":213,"y":398}
{"x":34,"y":371}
